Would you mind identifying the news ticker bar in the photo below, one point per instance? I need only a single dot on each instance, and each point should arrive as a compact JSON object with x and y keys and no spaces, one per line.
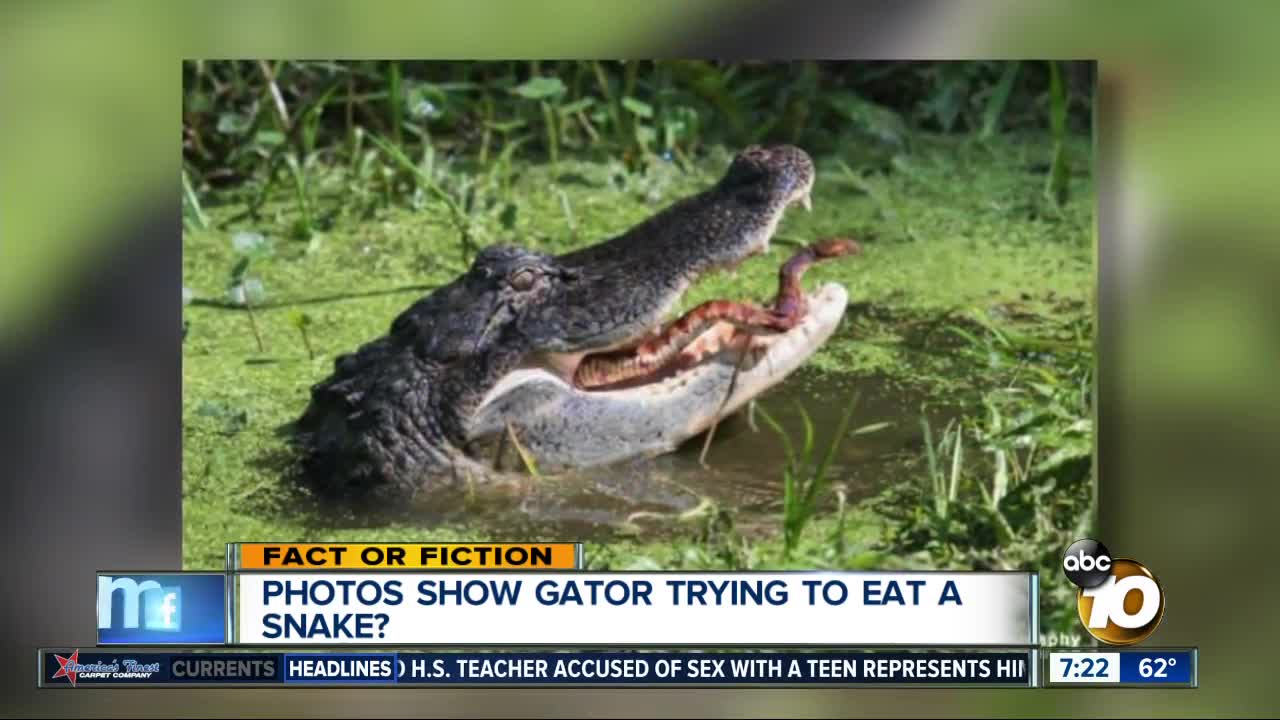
{"x":923,"y":668}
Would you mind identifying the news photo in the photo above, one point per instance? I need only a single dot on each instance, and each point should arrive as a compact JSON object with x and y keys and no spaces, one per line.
{"x":650,"y":373}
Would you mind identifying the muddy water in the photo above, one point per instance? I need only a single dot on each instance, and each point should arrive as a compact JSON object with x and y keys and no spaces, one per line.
{"x":743,"y":472}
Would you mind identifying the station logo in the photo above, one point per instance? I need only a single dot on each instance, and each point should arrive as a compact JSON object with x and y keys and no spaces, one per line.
{"x":1120,"y":601}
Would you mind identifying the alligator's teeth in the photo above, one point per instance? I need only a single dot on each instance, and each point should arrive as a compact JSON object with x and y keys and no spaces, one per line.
{"x":806,"y":202}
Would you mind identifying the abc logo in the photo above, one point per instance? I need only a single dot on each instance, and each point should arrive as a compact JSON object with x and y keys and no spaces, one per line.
{"x":1120,"y":601}
{"x":1087,"y":563}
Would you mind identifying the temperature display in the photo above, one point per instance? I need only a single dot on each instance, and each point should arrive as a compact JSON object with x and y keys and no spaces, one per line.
{"x":1155,"y":667}
{"x":1123,"y":667}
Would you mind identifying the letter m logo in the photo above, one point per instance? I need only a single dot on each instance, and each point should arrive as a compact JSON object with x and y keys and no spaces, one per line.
{"x":130,"y":591}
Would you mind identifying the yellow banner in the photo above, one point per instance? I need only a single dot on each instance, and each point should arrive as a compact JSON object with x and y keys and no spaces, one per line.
{"x":406,"y":556}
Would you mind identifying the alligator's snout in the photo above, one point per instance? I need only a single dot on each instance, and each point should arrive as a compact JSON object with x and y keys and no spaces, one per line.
{"x":770,"y":180}
{"x":784,"y":170}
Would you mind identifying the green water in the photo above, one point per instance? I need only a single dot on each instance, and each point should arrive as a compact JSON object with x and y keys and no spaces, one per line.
{"x":955,"y":227}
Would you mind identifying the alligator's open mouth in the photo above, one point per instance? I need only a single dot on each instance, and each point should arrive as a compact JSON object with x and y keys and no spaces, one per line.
{"x":756,"y":356}
{"x":713,"y":329}
{"x":719,"y":328}
{"x":653,"y":391}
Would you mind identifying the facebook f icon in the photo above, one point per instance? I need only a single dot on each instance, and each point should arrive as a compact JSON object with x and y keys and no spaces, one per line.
{"x":162,"y":608}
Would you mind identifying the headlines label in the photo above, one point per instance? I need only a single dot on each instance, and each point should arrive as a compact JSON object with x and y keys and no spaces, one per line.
{"x":660,"y":609}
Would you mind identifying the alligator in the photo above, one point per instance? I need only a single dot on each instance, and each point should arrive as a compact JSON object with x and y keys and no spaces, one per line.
{"x":568,"y":358}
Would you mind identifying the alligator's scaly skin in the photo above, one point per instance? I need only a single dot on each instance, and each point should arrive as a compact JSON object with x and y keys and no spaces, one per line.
{"x":395,"y":408}
{"x":395,"y":412}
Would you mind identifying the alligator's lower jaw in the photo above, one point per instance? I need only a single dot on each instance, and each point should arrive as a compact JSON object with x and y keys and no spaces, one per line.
{"x":564,"y":426}
{"x":725,"y":368}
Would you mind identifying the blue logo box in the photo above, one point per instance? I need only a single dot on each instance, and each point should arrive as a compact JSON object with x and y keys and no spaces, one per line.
{"x":162,"y":609}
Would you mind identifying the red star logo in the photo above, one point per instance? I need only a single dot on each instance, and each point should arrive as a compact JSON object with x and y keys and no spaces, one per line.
{"x":66,"y":663}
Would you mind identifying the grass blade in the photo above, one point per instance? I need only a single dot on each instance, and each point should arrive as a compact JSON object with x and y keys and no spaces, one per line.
{"x":526,"y":457}
{"x":807,"y":448}
{"x":393,"y":102}
{"x":955,"y":465}
{"x":787,"y":448}
{"x":931,"y":456}
{"x":838,"y":538}
{"x":1059,"y":172}
{"x":427,"y":181}
{"x":191,"y":204}
{"x":872,"y":428}
{"x":1000,"y":485}
{"x":999,"y":98}
{"x":300,"y":191}
{"x":820,"y":472}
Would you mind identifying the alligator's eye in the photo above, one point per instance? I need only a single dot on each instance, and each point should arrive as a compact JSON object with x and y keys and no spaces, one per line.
{"x":521,"y":279}
{"x":743,"y":173}
{"x":752,"y":195}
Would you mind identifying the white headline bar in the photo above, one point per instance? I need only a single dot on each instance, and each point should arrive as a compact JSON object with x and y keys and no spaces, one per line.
{"x":637,"y":609}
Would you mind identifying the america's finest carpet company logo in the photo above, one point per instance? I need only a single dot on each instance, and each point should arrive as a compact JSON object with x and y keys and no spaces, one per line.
{"x":70,"y":667}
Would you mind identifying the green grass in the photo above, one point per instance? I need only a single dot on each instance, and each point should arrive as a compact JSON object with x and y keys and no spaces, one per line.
{"x":250,"y":122}
{"x":804,"y":481}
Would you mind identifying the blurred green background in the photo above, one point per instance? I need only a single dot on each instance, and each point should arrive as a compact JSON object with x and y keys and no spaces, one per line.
{"x":1188,"y":403}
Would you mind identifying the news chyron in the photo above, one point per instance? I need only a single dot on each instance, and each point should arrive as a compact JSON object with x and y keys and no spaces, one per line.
{"x":1119,"y":600}
{"x":162,"y":609}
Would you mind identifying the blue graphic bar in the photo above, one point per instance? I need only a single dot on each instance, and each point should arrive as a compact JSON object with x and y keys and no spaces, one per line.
{"x":341,"y":668}
{"x":161,"y":608}
{"x":1169,"y":667}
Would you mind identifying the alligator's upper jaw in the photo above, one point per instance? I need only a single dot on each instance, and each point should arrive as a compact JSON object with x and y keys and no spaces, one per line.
{"x":562,"y":425}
